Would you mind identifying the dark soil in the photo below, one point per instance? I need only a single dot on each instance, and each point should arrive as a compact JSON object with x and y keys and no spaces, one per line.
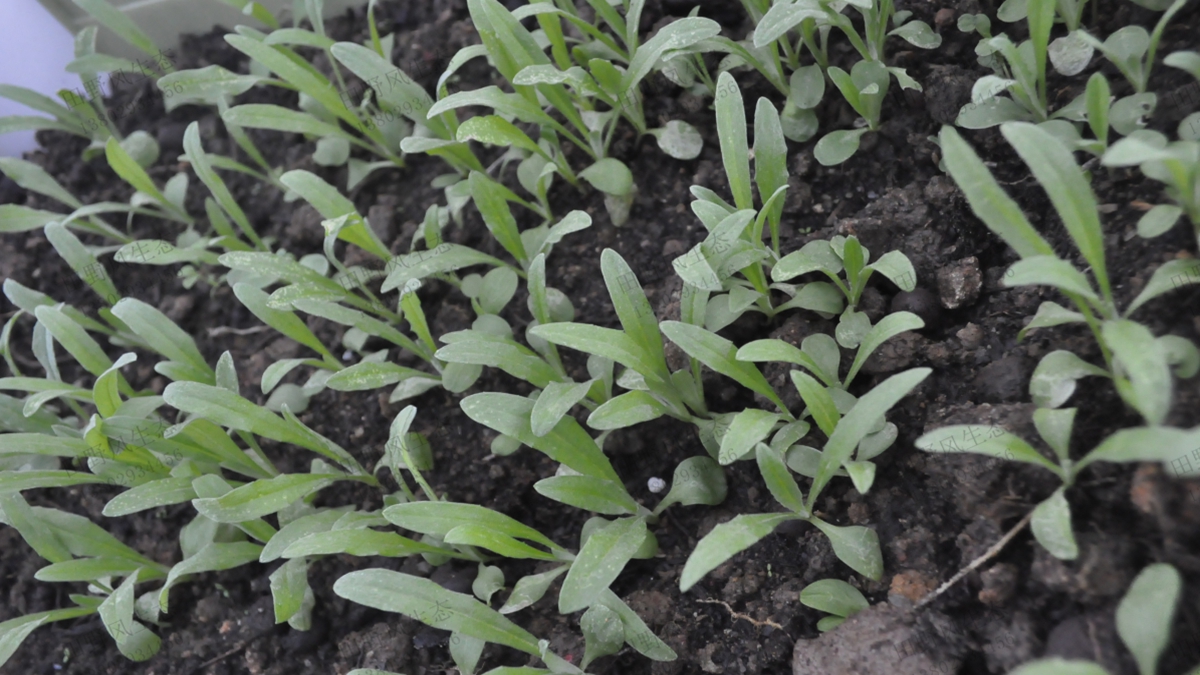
{"x":933,"y":514}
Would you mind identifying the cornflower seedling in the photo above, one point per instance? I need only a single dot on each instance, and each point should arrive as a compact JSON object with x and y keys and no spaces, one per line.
{"x":1131,"y":49}
{"x":855,"y":545}
{"x":1051,"y":521}
{"x":1139,"y":363}
{"x":832,"y":258}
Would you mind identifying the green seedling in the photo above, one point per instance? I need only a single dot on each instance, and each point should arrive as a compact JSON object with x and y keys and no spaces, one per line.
{"x":836,"y":597}
{"x":1051,"y":521}
{"x":1143,"y":619}
{"x":84,"y":218}
{"x":1131,"y":49}
{"x":1177,"y":165}
{"x":833,"y":258}
{"x":855,"y":545}
{"x":1139,"y":363}
{"x":1020,"y":72}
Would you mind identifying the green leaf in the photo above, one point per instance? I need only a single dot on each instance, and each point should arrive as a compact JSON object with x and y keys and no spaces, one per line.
{"x":359,"y":542}
{"x":1068,"y":189}
{"x":1048,"y":270}
{"x":988,"y":201}
{"x":495,"y":130}
{"x":205,"y":85}
{"x":82,"y":262}
{"x":1144,"y":615}
{"x":860,"y":421}
{"x":502,"y":544}
{"x":289,"y":585}
{"x":132,"y":172}
{"x":431,"y":604}
{"x":162,"y":492}
{"x":1159,"y":219}
{"x":332,"y":205}
{"x":1051,"y":525}
{"x":678,"y":34}
{"x":589,"y":493}
{"x":261,"y":497}
{"x":212,"y":558}
{"x":490,"y":198}
{"x":836,"y":147}
{"x":120,"y":23}
{"x":567,"y":443}
{"x":697,"y":480}
{"x":1144,"y":362}
{"x":611,"y":344}
{"x":530,"y":589}
{"x":87,"y":569}
{"x":1051,"y":314}
{"x":747,"y":428}
{"x":278,"y":118}
{"x":609,"y":176}
{"x":439,"y":518}
{"x":855,"y":545}
{"x":16,"y":218}
{"x":778,"y":350}
{"x":321,"y":521}
{"x":554,"y":402}
{"x":779,"y":479}
{"x":731,"y":128}
{"x":992,"y":441}
{"x":818,"y":401}
{"x":303,"y":77}
{"x":603,"y":632}
{"x":160,"y":333}
{"x":1169,"y":276}
{"x":281,"y":320}
{"x":626,"y":410}
{"x":727,"y":540}
{"x":368,"y":375}
{"x":834,"y":596}
{"x":1054,"y":378}
{"x":637,"y":634}
{"x":887,"y":328}
{"x":135,"y":641}
{"x":33,"y":177}
{"x":74,"y":339}
{"x":599,"y":562}
{"x":719,"y":354}
{"x":679,"y":139}
{"x":1054,"y":426}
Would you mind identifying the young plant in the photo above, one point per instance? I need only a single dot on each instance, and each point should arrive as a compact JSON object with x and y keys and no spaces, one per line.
{"x":1143,"y":619}
{"x":1177,"y":165}
{"x":1020,"y":71}
{"x":1139,"y":363}
{"x":1051,"y":522}
{"x":833,"y":258}
{"x":836,"y":597}
{"x":855,"y":545}
{"x":1131,"y":49}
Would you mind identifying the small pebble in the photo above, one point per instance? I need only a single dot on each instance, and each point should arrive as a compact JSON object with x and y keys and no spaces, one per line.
{"x":656,"y":485}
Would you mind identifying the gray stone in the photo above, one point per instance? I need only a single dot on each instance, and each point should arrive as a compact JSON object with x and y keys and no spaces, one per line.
{"x":884,"y":640}
{"x":959,"y":283}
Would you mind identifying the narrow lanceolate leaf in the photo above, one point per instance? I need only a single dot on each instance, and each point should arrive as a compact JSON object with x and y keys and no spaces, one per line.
{"x":1063,"y":180}
{"x":632,"y":307}
{"x":360,"y":542}
{"x":589,"y":493}
{"x":555,"y":401}
{"x":599,"y":562}
{"x":1168,"y":277}
{"x":489,"y":198}
{"x":162,"y":492}
{"x":727,"y":540}
{"x":860,"y":421}
{"x":131,"y":172}
{"x":1051,"y":525}
{"x":162,"y":334}
{"x":278,"y":118}
{"x":988,"y":201}
{"x":731,"y":127}
{"x":332,"y":205}
{"x":120,"y":23}
{"x":393,"y":87}
{"x":606,"y":342}
{"x":33,"y":177}
{"x":433,"y":605}
{"x":983,"y":439}
{"x":201,"y":164}
{"x":567,"y":443}
{"x":1144,"y":362}
{"x":283,"y":321}
{"x":1050,"y":271}
{"x":213,"y":557}
{"x":260,"y":498}
{"x":678,"y":34}
{"x":1145,"y":614}
{"x":779,"y":478}
{"x":747,"y":428}
{"x":719,"y":354}
{"x":16,"y":481}
{"x":626,"y":410}
{"x":770,"y":153}
{"x":438,"y":518}
{"x":834,"y":596}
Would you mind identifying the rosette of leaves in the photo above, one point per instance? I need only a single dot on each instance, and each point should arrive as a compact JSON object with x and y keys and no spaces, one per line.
{"x":1051,"y":522}
{"x":855,"y":545}
{"x":1139,"y":363}
{"x":834,"y":258}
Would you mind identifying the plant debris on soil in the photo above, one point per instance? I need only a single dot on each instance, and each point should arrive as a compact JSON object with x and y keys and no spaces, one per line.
{"x":933,"y":514}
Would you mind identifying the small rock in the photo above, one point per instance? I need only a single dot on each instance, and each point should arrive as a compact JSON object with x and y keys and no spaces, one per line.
{"x":920,"y":302}
{"x":1003,"y":380}
{"x":884,"y":640}
{"x":959,"y":283}
{"x":896,"y":353}
{"x":999,"y":583}
{"x":673,"y":248}
{"x":944,"y":16}
{"x":971,"y":336}
{"x":909,"y":587}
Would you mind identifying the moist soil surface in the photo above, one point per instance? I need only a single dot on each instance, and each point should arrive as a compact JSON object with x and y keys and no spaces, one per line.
{"x":934,"y":514}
